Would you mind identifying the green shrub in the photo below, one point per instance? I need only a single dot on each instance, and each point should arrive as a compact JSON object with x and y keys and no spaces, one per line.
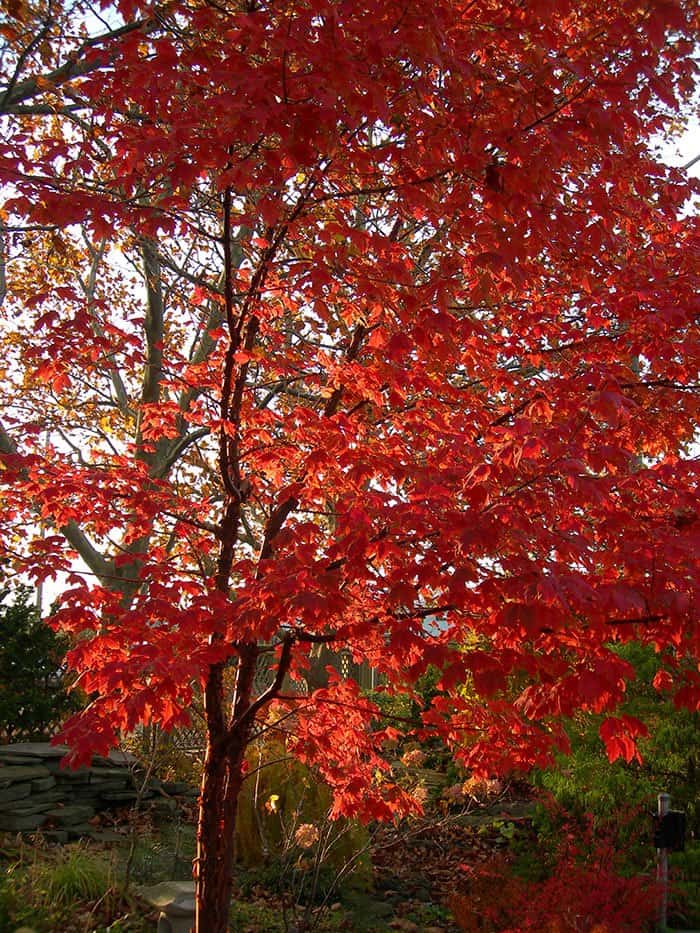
{"x":33,"y":694}
{"x":586,"y":782}
{"x":624,"y":795}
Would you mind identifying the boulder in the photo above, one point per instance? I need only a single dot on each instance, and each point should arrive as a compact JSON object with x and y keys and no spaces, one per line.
{"x":35,"y":787}
{"x":124,"y":796}
{"x":106,"y":835}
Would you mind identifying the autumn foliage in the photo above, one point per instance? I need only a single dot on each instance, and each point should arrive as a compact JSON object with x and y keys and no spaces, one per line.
{"x":367,"y":326}
{"x":576,"y":898}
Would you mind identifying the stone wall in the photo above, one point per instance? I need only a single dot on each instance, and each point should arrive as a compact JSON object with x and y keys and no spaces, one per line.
{"x":36,"y":793}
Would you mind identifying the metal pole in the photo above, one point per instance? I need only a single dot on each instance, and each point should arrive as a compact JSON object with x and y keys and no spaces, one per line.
{"x":662,"y":866}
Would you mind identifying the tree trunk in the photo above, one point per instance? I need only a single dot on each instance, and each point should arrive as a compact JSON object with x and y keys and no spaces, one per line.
{"x":224,"y":769}
{"x":221,"y":785}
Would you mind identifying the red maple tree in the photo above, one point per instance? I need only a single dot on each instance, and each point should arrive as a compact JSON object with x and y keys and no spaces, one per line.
{"x":328,"y":320}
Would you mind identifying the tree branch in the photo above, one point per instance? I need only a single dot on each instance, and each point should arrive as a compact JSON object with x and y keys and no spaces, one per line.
{"x":88,"y":288}
{"x":154,"y":323}
{"x":3,"y":264}
{"x":103,"y":568}
{"x":178,"y":448}
{"x":273,"y":689}
{"x":24,"y":55}
{"x":79,"y":63}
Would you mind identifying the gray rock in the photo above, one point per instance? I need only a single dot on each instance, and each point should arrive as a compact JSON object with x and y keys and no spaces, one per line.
{"x":176,"y":902}
{"x":110,"y":774}
{"x":168,"y":924}
{"x":118,"y":757}
{"x":41,"y":784}
{"x":65,"y":816}
{"x":47,"y":796}
{"x":164,"y":805}
{"x":19,"y":760}
{"x":105,"y":786}
{"x":11,"y":823}
{"x":124,"y":796}
{"x":34,"y":749}
{"x":177,"y":787}
{"x":14,"y":792}
{"x":106,"y":835}
{"x":29,"y":806}
{"x":68,"y":776}
{"x":183,"y":907}
{"x":27,"y":772}
{"x":108,"y":787}
{"x":91,"y":799}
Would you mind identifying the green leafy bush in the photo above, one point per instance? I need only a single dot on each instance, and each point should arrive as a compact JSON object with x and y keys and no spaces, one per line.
{"x":586,"y":782}
{"x":33,"y":690}
{"x":625,"y":794}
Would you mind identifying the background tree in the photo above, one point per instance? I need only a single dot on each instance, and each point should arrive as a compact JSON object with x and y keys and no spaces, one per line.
{"x":34,"y":697}
{"x":325,"y":320}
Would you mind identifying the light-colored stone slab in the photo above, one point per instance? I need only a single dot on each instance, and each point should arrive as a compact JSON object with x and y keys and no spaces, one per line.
{"x":163,"y":894}
{"x":176,"y":902}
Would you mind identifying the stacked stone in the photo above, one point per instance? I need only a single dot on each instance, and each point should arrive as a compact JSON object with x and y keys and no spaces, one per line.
{"x":36,"y":793}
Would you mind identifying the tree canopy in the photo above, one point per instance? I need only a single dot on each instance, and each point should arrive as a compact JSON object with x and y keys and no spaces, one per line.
{"x":367,"y":326}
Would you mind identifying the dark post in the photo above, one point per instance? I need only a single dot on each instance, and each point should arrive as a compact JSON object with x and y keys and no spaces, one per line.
{"x":662,"y":864}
